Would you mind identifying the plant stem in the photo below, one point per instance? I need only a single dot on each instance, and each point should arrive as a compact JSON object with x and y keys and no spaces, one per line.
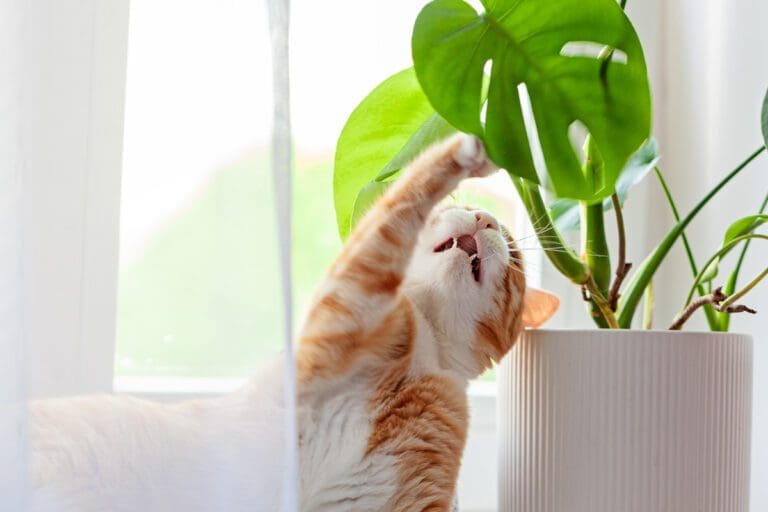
{"x":645,"y":273}
{"x":594,"y":245}
{"x":648,"y":305}
{"x":708,"y":311}
{"x":718,"y":300}
{"x":730,"y":285}
{"x":739,"y":294}
{"x":720,"y":252}
{"x":595,"y":254}
{"x":606,"y":315}
{"x":622,"y":267}
{"x":746,"y":244}
{"x":559,"y":253}
{"x":676,"y":215}
{"x":714,"y":298}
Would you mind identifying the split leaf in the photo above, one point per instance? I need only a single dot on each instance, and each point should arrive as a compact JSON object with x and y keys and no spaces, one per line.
{"x":551,"y":54}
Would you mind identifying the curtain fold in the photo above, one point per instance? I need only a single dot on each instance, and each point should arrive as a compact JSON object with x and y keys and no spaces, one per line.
{"x":281,"y":162}
{"x":12,"y":361}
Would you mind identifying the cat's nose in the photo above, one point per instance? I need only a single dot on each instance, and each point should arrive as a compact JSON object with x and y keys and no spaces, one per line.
{"x":485,"y":220}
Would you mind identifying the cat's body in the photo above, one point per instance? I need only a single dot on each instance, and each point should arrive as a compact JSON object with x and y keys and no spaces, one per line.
{"x":120,"y":454}
{"x":418,"y":303}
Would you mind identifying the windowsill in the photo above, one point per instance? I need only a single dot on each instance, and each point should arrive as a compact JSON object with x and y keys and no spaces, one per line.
{"x":206,"y":386}
{"x":176,"y":385}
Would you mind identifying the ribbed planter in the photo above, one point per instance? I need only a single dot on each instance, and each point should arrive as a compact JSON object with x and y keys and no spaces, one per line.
{"x":625,"y":421}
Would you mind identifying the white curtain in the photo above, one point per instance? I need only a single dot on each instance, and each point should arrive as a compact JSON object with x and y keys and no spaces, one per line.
{"x":12,"y":383}
{"x":279,"y":18}
{"x":62,"y":99}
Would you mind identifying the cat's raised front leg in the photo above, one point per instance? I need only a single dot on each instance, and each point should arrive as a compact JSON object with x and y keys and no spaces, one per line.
{"x":361,"y":288}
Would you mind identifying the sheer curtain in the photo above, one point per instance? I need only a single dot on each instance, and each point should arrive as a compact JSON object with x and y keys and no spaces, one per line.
{"x":279,"y":17}
{"x":62,"y":101}
{"x":12,"y":382}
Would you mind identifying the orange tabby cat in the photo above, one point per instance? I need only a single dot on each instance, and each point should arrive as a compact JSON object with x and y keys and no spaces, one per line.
{"x":420,"y":301}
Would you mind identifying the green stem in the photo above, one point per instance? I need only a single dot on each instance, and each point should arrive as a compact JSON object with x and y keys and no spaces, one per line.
{"x":737,"y":268}
{"x":722,"y":251}
{"x":724,"y":320}
{"x":676,"y":215}
{"x":559,"y":253}
{"x":605,"y":317}
{"x":595,"y":253}
{"x":648,"y":305}
{"x":710,"y":313}
{"x":645,"y":273}
{"x":739,"y":294}
{"x":594,"y":243}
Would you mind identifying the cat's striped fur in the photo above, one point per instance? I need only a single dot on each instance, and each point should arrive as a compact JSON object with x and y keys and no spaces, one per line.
{"x":401,"y":324}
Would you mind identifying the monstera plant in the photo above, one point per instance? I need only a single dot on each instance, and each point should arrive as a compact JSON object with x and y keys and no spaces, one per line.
{"x":529,"y":77}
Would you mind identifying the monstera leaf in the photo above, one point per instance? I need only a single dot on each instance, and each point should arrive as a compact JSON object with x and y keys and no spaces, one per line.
{"x":566,"y":212}
{"x":392,"y":125}
{"x":545,"y":46}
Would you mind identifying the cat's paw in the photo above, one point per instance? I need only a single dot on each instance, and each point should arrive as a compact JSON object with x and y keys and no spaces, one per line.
{"x":470,"y":154}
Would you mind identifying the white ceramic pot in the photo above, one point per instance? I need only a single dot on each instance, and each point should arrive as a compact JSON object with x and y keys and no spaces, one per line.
{"x":625,"y":421}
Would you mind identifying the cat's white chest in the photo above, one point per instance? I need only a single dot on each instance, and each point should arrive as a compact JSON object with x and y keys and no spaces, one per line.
{"x":335,"y":473}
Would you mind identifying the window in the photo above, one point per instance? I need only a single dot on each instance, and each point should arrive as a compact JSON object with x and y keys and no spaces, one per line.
{"x":198,"y":274}
{"x":198,"y":306}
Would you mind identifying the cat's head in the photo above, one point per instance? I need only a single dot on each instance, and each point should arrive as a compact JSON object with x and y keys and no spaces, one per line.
{"x":467,"y":278}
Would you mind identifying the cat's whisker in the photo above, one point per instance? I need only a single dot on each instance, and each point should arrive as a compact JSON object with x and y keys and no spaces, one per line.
{"x":503,"y":259}
{"x":538,"y":229}
{"x":560,"y":251}
{"x":538,"y":237}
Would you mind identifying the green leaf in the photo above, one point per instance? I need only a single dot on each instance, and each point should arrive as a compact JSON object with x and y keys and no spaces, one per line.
{"x":639,"y":165}
{"x":524,"y":39}
{"x":393,"y":124}
{"x":764,"y":118}
{"x":744,"y":226}
{"x":741,"y":227}
{"x":565,"y":212}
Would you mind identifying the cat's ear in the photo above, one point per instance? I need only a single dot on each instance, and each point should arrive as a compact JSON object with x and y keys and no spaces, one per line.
{"x":538,"y":307}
